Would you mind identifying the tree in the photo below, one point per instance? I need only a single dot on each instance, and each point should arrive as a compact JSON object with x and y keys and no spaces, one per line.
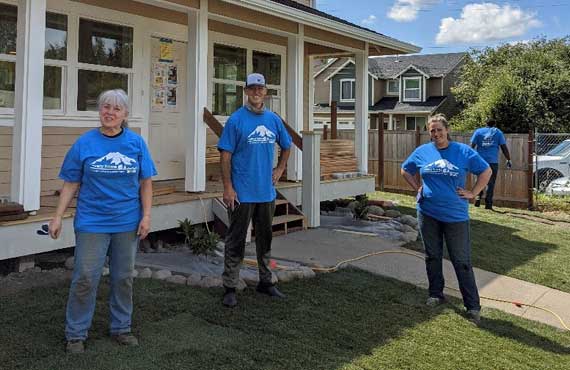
{"x":523,"y":86}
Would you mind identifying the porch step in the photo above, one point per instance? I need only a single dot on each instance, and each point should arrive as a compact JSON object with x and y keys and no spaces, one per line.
{"x":278,"y":220}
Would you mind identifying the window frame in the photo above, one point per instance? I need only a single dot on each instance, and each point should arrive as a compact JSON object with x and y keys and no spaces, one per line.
{"x":415,"y":122}
{"x":419,"y":89}
{"x":10,"y":58}
{"x":64,"y":65}
{"x":249,"y":45}
{"x":392,"y":93}
{"x":352,"y":90}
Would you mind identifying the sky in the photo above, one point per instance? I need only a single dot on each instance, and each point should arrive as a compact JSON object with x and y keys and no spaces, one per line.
{"x":448,"y":26}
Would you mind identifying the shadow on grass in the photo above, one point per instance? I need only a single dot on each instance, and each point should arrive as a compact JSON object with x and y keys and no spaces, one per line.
{"x":326,"y":323}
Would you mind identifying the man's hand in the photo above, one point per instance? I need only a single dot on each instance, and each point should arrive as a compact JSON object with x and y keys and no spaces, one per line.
{"x":277,"y":173}
{"x":144,"y":227}
{"x":509,"y":164}
{"x":230,"y":198}
{"x":54,"y":227}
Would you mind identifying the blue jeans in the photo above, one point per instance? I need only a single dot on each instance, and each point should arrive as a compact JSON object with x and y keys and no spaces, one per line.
{"x":90,"y":252}
{"x":490,"y":185}
{"x":456,"y":235}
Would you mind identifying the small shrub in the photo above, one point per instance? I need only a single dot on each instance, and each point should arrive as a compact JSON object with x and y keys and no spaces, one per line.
{"x":204,"y":242}
{"x":361,"y":209}
{"x":187,"y":229}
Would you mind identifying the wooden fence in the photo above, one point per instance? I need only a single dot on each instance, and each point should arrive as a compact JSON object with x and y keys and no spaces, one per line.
{"x":511,"y":187}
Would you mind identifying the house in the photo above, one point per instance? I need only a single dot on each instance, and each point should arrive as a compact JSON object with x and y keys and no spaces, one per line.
{"x":174,"y":58}
{"x":405,"y":89}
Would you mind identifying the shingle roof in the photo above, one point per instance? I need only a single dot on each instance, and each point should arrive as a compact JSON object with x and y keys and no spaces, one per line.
{"x":434,"y":65}
{"x":393,"y":105}
{"x":314,"y":11}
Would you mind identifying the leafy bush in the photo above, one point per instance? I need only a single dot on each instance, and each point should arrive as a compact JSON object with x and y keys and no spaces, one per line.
{"x":187,"y":229}
{"x":204,"y":242}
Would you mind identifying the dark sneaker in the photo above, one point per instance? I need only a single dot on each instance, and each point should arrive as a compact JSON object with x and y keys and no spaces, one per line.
{"x":474,"y":316}
{"x":230,"y":299}
{"x":489,"y":206}
{"x":270,"y":290}
{"x":434,"y":301}
{"x":126,"y":339}
{"x":477,"y":201}
{"x":75,"y":346}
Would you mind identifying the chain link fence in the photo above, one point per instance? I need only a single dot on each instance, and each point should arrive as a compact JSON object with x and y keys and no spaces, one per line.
{"x":551,"y":167}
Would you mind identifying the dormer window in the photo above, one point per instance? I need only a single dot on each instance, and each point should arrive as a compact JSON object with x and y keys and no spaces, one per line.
{"x":412,"y":89}
{"x":393,"y":87}
{"x":347,"y":90}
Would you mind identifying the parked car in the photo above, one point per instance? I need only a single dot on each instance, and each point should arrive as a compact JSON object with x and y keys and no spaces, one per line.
{"x":552,"y":165}
{"x":560,"y":186}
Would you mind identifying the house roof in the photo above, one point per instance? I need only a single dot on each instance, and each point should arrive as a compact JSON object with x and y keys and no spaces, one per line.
{"x":393,"y":105}
{"x":434,"y":65}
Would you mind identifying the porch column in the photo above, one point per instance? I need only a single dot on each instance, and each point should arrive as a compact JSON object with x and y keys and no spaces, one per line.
{"x":361,"y":110}
{"x":311,"y":188}
{"x":195,"y":132}
{"x":295,"y":78}
{"x":27,"y":132}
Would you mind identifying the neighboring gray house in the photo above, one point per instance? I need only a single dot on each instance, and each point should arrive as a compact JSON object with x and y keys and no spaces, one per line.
{"x":406,"y":89}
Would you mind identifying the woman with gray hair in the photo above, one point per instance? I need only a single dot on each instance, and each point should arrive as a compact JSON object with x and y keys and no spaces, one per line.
{"x":112,"y":168}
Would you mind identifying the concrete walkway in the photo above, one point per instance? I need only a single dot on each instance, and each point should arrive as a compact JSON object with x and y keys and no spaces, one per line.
{"x":327,"y":247}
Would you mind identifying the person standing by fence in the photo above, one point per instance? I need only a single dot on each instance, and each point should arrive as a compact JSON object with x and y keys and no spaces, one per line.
{"x":443,"y":209}
{"x":487,"y":141}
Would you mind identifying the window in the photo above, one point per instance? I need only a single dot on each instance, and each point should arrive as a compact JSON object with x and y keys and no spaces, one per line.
{"x":347,"y":90}
{"x":393,"y":87}
{"x":232,"y":63}
{"x":412,"y":88}
{"x":413,"y":122}
{"x":55,"y":54}
{"x":56,"y":36}
{"x":8,"y":26}
{"x":105,"y":60}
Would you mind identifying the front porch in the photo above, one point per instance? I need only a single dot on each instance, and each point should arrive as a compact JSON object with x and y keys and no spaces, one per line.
{"x":21,"y":238}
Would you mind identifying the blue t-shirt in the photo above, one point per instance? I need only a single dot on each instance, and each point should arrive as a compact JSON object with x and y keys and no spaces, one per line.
{"x":442,"y":172}
{"x":109,"y":170}
{"x":251,"y":138}
{"x":488,"y":141}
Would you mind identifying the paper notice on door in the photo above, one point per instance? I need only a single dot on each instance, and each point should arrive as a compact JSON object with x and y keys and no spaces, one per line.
{"x":166,"y":50}
{"x":171,"y":98}
{"x":158,"y":99}
{"x":173,"y":75}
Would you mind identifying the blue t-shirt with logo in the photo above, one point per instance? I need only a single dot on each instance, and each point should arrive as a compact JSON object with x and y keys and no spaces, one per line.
{"x":109,"y":170}
{"x":488,"y":141}
{"x":251,"y":138}
{"x":442,"y":172}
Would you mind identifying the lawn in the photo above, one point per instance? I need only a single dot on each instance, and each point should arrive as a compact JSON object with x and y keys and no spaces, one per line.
{"x":346,"y":320}
{"x":536,"y":250}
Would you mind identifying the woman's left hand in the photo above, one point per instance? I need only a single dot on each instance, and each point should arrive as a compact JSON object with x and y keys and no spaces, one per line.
{"x":465,"y":194}
{"x":144,"y":227}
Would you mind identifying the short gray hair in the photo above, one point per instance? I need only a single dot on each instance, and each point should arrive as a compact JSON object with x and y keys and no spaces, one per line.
{"x":115,"y":97}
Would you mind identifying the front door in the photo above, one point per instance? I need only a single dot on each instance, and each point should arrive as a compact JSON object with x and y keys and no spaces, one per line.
{"x":168,"y":107}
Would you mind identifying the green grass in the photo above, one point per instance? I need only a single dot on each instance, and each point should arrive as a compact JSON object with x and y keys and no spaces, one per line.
{"x":550,"y":204}
{"x":512,"y":246}
{"x":347,"y":320}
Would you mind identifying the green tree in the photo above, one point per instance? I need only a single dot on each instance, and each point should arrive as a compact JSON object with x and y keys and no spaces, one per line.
{"x":522,"y":86}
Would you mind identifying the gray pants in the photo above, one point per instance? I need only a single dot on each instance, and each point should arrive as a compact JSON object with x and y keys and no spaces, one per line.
{"x":262,"y":215}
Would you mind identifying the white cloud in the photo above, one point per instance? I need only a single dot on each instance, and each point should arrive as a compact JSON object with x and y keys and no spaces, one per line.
{"x":370,"y":21}
{"x":485,"y":22}
{"x":407,"y":10}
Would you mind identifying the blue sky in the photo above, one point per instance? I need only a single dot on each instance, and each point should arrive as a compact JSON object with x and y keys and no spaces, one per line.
{"x":445,"y":26}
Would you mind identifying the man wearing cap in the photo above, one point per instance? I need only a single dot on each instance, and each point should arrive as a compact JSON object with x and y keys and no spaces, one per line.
{"x":247,"y":148}
{"x":488,"y":140}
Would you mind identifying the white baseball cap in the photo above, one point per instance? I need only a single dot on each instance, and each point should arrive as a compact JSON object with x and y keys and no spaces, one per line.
{"x":255,"y":79}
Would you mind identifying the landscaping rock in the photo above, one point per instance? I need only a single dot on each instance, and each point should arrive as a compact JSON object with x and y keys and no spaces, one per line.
{"x":409,"y":220}
{"x":134,"y":273}
{"x":408,"y":229}
{"x":392,"y":213}
{"x":145,"y":273}
{"x":308,"y":273}
{"x":211,"y":282}
{"x":376,"y":210}
{"x":176,"y":279}
{"x":410,"y":236}
{"x":241,"y":285}
{"x":161,"y":274}
{"x":105,"y":271}
{"x":69,"y":263}
{"x":193,"y":279}
{"x":285,"y":276}
{"x":144,"y":246}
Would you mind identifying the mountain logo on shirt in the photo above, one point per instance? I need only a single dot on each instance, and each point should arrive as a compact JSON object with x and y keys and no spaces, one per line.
{"x":442,"y":167}
{"x":114,"y":162}
{"x":489,"y":138}
{"x":261,"y":135}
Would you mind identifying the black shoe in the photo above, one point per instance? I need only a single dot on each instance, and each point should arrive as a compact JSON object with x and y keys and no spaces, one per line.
{"x":477,"y":202}
{"x":489,"y":206}
{"x":230,"y":299}
{"x":270,"y":290}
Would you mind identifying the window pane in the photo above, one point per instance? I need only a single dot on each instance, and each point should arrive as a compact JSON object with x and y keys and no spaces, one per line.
{"x":105,"y":44}
{"x":268,"y":65}
{"x":273,"y":101}
{"x":227,"y":99}
{"x":412,"y":84}
{"x":421,"y":122}
{"x":412,"y":94}
{"x":56,"y":36}
{"x":92,"y":83}
{"x":7,"y":83}
{"x":410,"y":123}
{"x":347,"y":90}
{"x":229,"y":63}
{"x":393,"y":86}
{"x":52,"y":87}
{"x":8,"y":26}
